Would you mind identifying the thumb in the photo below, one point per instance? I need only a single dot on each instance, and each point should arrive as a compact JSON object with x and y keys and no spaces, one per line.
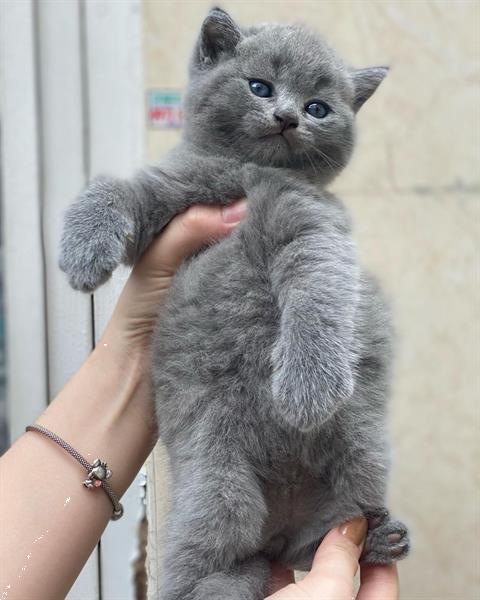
{"x":334,"y":565}
{"x":336,"y":561}
{"x":187,"y":233}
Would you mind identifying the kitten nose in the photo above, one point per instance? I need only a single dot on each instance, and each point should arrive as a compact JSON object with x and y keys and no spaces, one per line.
{"x":287,"y":120}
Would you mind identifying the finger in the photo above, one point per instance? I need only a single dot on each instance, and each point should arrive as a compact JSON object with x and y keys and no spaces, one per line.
{"x":334,"y":566}
{"x":281,"y":577}
{"x":336,"y":562}
{"x":189,"y":232}
{"x":378,"y":582}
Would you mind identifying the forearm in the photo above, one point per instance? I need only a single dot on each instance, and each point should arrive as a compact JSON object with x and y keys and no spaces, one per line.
{"x":50,"y":522}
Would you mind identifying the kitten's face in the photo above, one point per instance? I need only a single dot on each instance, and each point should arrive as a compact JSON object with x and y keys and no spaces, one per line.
{"x":275,"y":95}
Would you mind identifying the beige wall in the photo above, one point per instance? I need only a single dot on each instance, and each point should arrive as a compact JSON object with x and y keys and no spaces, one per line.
{"x":413,"y":188}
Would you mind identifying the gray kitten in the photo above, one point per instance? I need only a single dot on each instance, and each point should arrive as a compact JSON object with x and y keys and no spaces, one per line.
{"x":271,"y":361}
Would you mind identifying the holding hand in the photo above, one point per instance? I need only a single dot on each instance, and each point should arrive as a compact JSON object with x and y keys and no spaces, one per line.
{"x":137,"y":309}
{"x":334,"y":568}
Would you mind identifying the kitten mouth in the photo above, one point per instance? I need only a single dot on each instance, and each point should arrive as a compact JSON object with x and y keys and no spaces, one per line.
{"x":275,"y":136}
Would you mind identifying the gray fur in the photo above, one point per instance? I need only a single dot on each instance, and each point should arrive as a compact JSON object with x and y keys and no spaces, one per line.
{"x":272,"y":358}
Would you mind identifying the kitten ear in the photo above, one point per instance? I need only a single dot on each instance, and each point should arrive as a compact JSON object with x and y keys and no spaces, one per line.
{"x":219,"y":35}
{"x":366,"y":82}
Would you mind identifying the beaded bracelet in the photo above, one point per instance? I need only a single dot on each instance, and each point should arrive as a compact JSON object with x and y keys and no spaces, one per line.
{"x":98,"y":471}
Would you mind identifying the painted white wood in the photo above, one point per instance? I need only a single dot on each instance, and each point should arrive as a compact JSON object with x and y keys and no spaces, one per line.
{"x":115,"y":87}
{"x":158,"y":505}
{"x":21,"y":220}
{"x":71,"y":93}
{"x":64,"y":174}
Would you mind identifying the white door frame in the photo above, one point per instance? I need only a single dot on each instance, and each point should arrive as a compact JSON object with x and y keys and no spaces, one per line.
{"x":71,"y":106}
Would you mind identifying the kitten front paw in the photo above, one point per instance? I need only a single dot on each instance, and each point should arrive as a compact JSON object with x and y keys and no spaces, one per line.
{"x":387,"y":540}
{"x":308,"y":389}
{"x":95,"y":235}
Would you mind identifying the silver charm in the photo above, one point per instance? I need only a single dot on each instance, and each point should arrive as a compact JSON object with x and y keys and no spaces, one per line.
{"x":99,"y":473}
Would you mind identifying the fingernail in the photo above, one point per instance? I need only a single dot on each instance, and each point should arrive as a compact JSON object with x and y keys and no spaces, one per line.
{"x":354,"y":530}
{"x":234,"y":212}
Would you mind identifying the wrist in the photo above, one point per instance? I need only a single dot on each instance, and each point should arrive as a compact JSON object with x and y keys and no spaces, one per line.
{"x":132,"y":323}
{"x":116,"y":355}
{"x":127,"y":344}
{"x":106,"y":410}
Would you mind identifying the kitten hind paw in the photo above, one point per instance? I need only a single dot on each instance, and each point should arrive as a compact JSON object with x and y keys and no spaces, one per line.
{"x":387,"y":540}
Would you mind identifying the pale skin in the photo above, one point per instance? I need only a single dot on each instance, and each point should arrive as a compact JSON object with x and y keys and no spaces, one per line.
{"x":50,"y":523}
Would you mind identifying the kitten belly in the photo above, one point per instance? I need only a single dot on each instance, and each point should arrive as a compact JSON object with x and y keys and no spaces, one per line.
{"x":212,"y":372}
{"x":214,"y":339}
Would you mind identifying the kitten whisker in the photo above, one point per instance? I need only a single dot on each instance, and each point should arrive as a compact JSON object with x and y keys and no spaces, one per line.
{"x":315,"y":170}
{"x":330,"y":162}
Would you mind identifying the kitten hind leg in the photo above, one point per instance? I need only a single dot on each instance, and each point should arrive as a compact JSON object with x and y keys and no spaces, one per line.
{"x":248,"y":580}
{"x":216,"y":521}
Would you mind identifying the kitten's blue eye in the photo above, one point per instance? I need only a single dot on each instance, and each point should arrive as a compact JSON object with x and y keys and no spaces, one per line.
{"x":319,"y":110}
{"x":260,"y":88}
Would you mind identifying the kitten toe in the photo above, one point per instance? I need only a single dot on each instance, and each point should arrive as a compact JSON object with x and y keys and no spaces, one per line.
{"x":95,"y":236}
{"x":376,"y":516}
{"x":86,"y":273}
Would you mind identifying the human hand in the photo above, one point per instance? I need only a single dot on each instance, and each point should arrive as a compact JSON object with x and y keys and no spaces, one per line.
{"x":137,"y":309}
{"x":334,"y":568}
